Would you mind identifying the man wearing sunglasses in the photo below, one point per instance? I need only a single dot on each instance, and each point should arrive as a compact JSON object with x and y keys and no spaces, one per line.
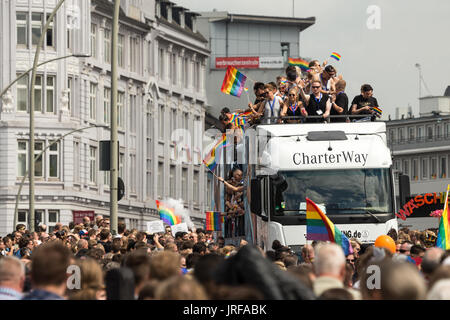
{"x":317,"y":103}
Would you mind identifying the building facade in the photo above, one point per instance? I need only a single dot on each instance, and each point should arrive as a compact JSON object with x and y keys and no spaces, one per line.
{"x":421,"y":146}
{"x":74,"y":93}
{"x":259,"y":46}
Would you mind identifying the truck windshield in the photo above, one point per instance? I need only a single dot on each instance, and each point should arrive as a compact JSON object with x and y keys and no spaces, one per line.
{"x":334,"y":191}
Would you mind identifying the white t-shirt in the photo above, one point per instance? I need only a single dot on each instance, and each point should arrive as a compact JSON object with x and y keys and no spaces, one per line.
{"x":272,"y":109}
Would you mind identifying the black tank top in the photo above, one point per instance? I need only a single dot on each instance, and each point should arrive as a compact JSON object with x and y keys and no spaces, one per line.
{"x":296,"y":112}
{"x":316,"y":104}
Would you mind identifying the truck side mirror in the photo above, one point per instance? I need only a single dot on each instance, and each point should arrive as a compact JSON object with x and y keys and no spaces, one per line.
{"x":404,"y":186}
{"x":255,"y":203}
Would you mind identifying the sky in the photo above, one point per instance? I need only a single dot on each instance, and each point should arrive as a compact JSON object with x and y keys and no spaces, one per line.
{"x":410,"y":32}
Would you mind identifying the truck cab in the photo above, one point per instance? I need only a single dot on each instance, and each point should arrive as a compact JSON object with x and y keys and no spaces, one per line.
{"x":345,"y":168}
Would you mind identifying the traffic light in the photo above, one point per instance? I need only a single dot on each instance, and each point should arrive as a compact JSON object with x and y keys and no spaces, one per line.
{"x":105,"y":155}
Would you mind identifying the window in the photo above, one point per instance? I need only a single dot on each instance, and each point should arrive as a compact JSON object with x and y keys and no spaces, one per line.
{"x":69,"y":92}
{"x":185,"y":121}
{"x":173,"y":121}
{"x":172,"y":181}
{"x":53,"y":218}
{"x":285,"y":51}
{"x":106,"y":105}
{"x":392,"y":135}
{"x":411,"y":133}
{"x":36,"y":28}
{"x":429,"y":133}
{"x":22,"y":29}
{"x":433,"y":168}
{"x":396,"y":168}
{"x":50,"y":88}
{"x":22,"y":158}
{"x":46,"y":166}
{"x":447,"y":130}
{"x":76,"y":162}
{"x":184,"y":184}
{"x":93,"y":165}
{"x":106,"y":178}
{"x":121,"y":164}
{"x":196,"y":187}
{"x":420,"y":133}
{"x":173,"y":73}
{"x":133,"y":114}
{"x":120,"y":50}
{"x":94,"y":40}
{"x":92,"y":101}
{"x":406,"y":167}
{"x":132,"y":173}
{"x":50,"y":37}
{"x":38,"y":93}
{"x":134,"y":54}
{"x":443,"y":168}
{"x":120,"y":113}
{"x":401,"y":135}
{"x":438,"y":132}
{"x":197,"y":76}
{"x":38,"y":163}
{"x":424,"y":168}
{"x":186,"y":73}
{"x":161,"y":122}
{"x":22,"y":94}
{"x":161,"y":63}
{"x":53,"y":160}
{"x":160,"y":179}
{"x":414,"y":170}
{"x":148,"y":179}
{"x":210,"y":188}
{"x":107,"y":46}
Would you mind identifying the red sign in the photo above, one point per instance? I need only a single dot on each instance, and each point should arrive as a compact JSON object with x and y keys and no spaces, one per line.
{"x":238,"y":62}
{"x":79,"y":215}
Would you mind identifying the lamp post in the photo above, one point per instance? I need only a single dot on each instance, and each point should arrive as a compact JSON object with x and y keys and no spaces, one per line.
{"x":16,"y":208}
{"x":32,"y":95}
{"x":114,"y":155}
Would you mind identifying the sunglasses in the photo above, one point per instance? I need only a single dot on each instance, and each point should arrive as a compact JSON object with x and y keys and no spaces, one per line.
{"x":292,"y":95}
{"x":351,"y":260}
{"x":314,"y":87}
{"x":402,"y":250}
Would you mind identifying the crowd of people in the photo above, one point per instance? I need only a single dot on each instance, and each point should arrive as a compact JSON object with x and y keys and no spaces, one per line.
{"x":317,"y":95}
{"x":199,"y":266}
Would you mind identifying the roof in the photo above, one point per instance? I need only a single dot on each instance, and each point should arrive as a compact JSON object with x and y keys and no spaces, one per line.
{"x":230,"y":17}
{"x":196,"y":35}
{"x":107,"y":7}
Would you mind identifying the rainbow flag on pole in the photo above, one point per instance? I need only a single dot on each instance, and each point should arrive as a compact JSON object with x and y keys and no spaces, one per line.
{"x":319,"y":227}
{"x":210,"y":159}
{"x":233,"y":83}
{"x":443,"y":238}
{"x":377,"y":110}
{"x":167,"y":214}
{"x":303,"y":64}
{"x":213,"y":221}
{"x":336,"y":56}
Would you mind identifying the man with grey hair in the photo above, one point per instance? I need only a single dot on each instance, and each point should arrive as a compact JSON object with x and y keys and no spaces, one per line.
{"x":329,"y":267}
{"x":12,"y":278}
{"x":82,"y":244}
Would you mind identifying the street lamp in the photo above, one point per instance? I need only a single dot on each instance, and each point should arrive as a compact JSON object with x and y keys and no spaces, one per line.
{"x":16,"y":208}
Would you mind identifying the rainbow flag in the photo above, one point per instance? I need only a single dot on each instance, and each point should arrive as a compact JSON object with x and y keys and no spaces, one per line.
{"x":214,"y":221}
{"x":210,"y":159}
{"x":336,"y":56}
{"x":443,"y":238}
{"x":233,"y":83}
{"x":319,"y":227}
{"x":167,"y":214}
{"x":303,"y":64}
{"x":377,"y":110}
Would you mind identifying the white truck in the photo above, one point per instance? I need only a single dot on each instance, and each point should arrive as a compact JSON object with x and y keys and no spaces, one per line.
{"x":345,"y":168}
